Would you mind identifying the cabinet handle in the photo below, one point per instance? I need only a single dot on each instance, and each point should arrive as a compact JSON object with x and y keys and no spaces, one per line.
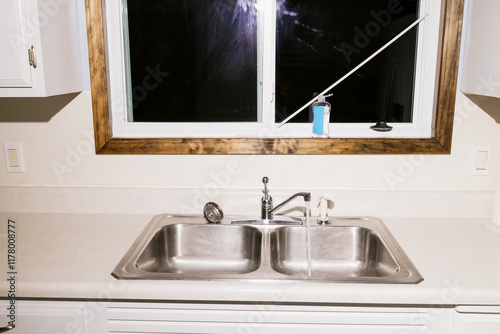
{"x":6,"y":328}
{"x":32,"y":58}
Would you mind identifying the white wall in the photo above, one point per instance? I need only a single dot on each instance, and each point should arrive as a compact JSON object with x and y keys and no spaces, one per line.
{"x":63,"y":174}
{"x":59,"y":154}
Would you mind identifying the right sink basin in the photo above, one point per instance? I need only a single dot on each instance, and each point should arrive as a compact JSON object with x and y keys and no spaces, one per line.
{"x":335,"y":253}
{"x":348,"y":250}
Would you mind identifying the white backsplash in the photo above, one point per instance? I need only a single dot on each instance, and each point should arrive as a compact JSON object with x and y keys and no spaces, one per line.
{"x":135,"y":200}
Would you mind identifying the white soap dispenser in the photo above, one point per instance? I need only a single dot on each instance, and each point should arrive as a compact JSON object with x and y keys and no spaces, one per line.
{"x":321,"y":117}
{"x":323,"y":208}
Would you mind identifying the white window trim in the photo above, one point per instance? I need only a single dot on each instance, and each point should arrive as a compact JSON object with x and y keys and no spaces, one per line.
{"x":427,"y":69}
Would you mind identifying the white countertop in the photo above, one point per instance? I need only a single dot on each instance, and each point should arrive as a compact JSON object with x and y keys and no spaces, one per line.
{"x":71,"y":256}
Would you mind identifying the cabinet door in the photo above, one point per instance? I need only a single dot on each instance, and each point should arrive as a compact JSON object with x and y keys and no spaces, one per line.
{"x":480,"y":66}
{"x":43,"y":317}
{"x":15,"y":70}
{"x":476,"y":319}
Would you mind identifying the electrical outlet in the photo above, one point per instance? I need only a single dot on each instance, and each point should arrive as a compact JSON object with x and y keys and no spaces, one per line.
{"x":13,"y":157}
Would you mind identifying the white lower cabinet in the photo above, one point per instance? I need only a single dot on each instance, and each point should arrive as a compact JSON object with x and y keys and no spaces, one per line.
{"x":87,"y":317}
{"x":476,"y":319}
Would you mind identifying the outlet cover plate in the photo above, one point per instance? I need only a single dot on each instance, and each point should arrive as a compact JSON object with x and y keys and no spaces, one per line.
{"x":15,"y":150}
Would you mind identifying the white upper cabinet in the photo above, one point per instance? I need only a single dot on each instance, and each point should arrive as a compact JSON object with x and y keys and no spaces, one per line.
{"x":480,"y":64}
{"x":48,"y":30}
{"x":14,"y":63}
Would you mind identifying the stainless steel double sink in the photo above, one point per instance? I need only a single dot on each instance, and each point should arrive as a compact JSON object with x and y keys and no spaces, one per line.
{"x":175,"y":247}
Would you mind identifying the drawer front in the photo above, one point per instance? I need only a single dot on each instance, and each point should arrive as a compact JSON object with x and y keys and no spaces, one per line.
{"x":267,"y":319}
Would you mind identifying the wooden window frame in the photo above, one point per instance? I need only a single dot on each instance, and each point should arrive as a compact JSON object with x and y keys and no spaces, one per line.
{"x":440,"y":143}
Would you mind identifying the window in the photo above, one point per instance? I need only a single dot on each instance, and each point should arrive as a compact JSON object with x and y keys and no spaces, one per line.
{"x":200,"y":56}
{"x":109,"y":86}
{"x":213,"y":69}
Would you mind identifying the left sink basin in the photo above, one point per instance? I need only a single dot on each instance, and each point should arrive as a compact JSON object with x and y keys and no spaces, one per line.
{"x":187,"y":250}
{"x":202,"y":249}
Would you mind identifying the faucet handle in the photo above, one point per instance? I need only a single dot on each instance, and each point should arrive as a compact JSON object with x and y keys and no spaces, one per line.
{"x":265,"y":180}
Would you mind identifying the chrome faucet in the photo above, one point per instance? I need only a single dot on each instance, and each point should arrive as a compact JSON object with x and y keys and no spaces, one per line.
{"x":267,"y":209}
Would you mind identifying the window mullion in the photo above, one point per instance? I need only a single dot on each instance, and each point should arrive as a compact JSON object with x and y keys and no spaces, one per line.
{"x":268,"y":66}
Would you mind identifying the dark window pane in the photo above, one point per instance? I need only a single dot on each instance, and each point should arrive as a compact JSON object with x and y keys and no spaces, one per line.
{"x":193,"y":60}
{"x":319,"y":41}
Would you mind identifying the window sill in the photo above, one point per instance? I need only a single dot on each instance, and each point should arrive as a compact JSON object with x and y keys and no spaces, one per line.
{"x":271,"y":146}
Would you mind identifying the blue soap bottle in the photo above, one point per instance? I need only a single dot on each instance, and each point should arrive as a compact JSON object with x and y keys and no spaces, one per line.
{"x":321,"y":118}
